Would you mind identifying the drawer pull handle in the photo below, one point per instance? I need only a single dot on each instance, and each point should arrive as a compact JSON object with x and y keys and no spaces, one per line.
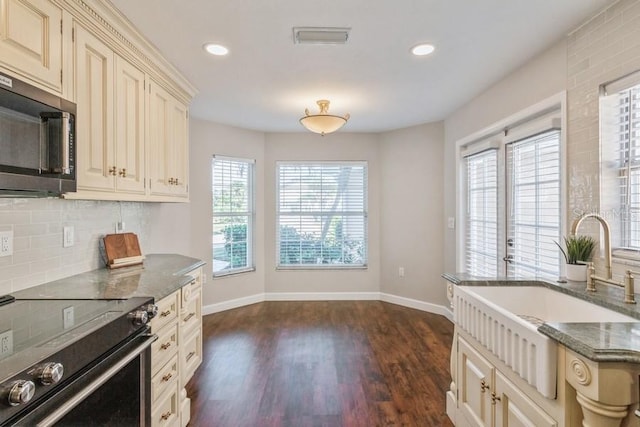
{"x":186,"y":319}
{"x":190,"y":355}
{"x":165,"y":416}
{"x":165,"y":345}
{"x":167,"y":377}
{"x":165,"y":313}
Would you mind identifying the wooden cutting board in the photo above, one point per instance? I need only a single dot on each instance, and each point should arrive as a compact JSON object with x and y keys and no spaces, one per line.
{"x":122,"y":250}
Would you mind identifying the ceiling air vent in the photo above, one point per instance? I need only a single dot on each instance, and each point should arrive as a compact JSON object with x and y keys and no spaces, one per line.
{"x":320,"y":35}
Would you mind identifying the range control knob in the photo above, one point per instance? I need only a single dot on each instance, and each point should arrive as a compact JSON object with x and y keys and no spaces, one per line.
{"x":49,"y":373}
{"x":151,"y":310}
{"x":139,"y":317}
{"x":20,"y":392}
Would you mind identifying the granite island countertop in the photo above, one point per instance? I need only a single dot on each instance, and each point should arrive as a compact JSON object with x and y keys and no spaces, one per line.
{"x":597,"y":341}
{"x":158,"y":276}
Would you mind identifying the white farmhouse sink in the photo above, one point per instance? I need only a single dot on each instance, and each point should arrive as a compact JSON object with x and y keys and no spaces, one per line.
{"x":505,"y":319}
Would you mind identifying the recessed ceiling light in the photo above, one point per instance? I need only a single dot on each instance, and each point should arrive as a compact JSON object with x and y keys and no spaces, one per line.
{"x":423,"y":49}
{"x":216,"y":49}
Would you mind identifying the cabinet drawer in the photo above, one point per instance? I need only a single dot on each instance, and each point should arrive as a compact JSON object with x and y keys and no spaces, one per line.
{"x":167,"y":311}
{"x":191,"y":314}
{"x":164,"y":379}
{"x":191,"y":356}
{"x":165,"y":346}
{"x":165,"y":410}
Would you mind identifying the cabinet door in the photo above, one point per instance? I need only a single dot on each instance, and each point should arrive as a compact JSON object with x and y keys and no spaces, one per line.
{"x":94,"y":89}
{"x":169,"y":145}
{"x":180,"y":144}
{"x":160,"y":155}
{"x":475,"y":384}
{"x":31,"y":40}
{"x":129,"y":127}
{"x":514,"y":409}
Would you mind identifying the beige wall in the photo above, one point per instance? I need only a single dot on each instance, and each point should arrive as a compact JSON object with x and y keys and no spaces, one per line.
{"x":307,"y":146}
{"x":543,"y":76}
{"x":207,"y":139}
{"x":411,"y":187}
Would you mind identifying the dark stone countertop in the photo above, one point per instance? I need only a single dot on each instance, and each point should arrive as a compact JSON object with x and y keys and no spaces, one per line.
{"x":158,"y":276}
{"x":600,"y":342}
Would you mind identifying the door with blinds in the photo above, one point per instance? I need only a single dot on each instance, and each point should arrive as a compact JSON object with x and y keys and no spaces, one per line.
{"x":533,"y":205}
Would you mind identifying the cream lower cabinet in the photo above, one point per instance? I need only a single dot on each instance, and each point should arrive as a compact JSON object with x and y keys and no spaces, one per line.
{"x":177,"y":353}
{"x":487,"y":398}
{"x":31,"y":41}
{"x":110,"y":118}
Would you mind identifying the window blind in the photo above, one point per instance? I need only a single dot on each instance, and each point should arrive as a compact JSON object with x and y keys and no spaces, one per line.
{"x":322,"y":214}
{"x":620,"y":123}
{"x":481,"y":240}
{"x":233,"y":213}
{"x":533,"y":224}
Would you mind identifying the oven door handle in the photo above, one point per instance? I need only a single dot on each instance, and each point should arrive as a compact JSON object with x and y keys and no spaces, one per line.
{"x":56,"y":415}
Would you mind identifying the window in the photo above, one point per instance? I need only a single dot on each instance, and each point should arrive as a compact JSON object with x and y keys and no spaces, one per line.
{"x":233,"y":215}
{"x":482,"y":213}
{"x":322,"y":214}
{"x":533,"y":174}
{"x":620,"y":151}
{"x":512,"y":199}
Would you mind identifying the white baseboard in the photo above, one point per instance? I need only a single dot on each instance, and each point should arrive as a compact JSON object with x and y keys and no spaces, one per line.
{"x":328,"y":296}
{"x":322,"y":296}
{"x":417,"y":304}
{"x":234,"y":303}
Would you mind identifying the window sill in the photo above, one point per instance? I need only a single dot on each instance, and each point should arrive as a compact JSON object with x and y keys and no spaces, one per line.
{"x":626,"y":257}
{"x":328,"y":267}
{"x":221,"y":274}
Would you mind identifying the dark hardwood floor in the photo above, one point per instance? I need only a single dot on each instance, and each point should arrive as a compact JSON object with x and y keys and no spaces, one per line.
{"x":335,"y":363}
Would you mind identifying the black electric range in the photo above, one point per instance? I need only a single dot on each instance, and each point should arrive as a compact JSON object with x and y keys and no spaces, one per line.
{"x":48,"y":346}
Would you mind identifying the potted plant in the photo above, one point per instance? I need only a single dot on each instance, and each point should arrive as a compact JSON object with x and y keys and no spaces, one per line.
{"x":579,"y":250}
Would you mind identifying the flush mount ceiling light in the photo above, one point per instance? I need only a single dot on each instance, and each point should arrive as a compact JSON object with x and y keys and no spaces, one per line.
{"x":323,"y":122}
{"x":320,"y":35}
{"x":423,"y":49}
{"x":215,"y":49}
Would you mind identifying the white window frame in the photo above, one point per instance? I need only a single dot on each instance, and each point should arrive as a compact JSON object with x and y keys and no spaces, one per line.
{"x":249,"y":214}
{"x":612,"y":206}
{"x":364,"y":214}
{"x":516,"y":126}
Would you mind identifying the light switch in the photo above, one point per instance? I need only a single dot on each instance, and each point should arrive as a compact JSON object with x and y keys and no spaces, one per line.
{"x":451,"y":222}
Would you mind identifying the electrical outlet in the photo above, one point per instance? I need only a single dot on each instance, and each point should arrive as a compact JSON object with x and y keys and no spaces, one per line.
{"x":6,"y":344}
{"x":67,"y":237}
{"x":68,"y":317}
{"x":6,"y":243}
{"x":451,"y":222}
{"x":120,"y":227}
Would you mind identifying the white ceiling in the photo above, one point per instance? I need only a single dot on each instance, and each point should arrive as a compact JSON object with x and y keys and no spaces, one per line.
{"x":266,"y":81}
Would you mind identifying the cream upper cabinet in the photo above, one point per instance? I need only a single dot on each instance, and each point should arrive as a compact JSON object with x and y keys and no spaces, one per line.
{"x":111,"y":107}
{"x":95,"y":112}
{"x":169,"y":132}
{"x":31,"y":41}
{"x":130,"y":125}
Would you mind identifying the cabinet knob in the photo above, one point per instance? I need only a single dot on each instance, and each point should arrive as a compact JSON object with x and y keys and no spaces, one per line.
{"x":494,"y":398}
{"x":112,"y":171}
{"x":484,"y":386}
{"x":123,"y":172}
{"x":171,"y":181}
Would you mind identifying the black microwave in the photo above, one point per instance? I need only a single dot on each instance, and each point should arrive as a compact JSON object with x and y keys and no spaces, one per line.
{"x":37,"y":141}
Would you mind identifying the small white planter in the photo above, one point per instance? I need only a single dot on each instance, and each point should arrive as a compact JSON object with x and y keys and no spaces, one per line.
{"x":576,"y":272}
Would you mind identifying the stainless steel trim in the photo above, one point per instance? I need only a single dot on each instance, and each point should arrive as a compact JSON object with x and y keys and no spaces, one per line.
{"x":66,"y":155}
{"x":95,"y":384}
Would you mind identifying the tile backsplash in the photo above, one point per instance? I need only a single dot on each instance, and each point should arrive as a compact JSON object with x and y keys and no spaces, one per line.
{"x":37,"y":224}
